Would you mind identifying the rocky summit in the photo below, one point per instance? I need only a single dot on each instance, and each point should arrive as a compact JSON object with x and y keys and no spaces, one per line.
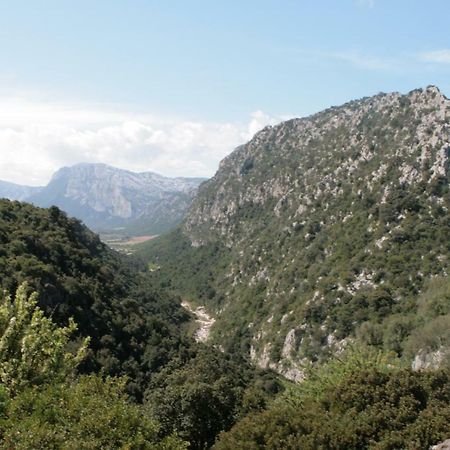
{"x":323,"y":231}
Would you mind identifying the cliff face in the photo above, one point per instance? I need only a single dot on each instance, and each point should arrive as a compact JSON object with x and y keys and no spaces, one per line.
{"x":329,"y":229}
{"x":105,"y":197}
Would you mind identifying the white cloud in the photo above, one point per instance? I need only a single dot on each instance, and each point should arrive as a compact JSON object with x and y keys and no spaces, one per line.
{"x":364,"y":61}
{"x":436,"y":56}
{"x":37,"y":138}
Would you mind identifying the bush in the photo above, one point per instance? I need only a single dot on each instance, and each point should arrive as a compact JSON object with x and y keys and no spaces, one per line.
{"x":369,"y":409}
{"x":88,"y":414}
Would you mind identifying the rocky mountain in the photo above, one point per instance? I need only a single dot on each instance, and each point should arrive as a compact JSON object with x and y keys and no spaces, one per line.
{"x":14,"y":191}
{"x":322,"y":231}
{"x":105,"y":197}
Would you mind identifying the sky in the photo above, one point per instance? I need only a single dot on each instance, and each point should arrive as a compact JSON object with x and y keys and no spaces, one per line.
{"x":173,"y":86}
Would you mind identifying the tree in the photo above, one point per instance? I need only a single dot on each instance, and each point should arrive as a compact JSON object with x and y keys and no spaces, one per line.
{"x":43,"y":404}
{"x":205,"y":395}
{"x":368,"y":409}
{"x":33,"y":349}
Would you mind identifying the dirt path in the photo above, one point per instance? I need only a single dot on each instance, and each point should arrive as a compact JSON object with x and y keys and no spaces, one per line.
{"x":203,"y":320}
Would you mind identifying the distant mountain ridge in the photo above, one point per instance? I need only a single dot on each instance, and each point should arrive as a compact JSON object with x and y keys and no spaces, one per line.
{"x":13,"y":191}
{"x":105,"y":197}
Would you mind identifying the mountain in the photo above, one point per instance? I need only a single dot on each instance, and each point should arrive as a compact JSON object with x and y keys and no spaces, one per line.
{"x":106,"y":198}
{"x":14,"y":191}
{"x":323,"y":231}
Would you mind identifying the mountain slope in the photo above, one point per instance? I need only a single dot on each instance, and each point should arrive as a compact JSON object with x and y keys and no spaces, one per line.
{"x":134,"y":328}
{"x":14,"y":191}
{"x":105,"y":197}
{"x":320,"y":230}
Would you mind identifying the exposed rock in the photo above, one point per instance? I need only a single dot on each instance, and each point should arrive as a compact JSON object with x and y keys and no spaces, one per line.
{"x":428,"y":360}
{"x":203,"y":320}
{"x":289,"y":344}
{"x":442,"y":445}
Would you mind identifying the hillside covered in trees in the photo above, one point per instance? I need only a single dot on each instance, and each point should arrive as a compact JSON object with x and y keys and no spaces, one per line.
{"x":134,"y":329}
{"x":87,"y":343}
{"x":323,"y":231}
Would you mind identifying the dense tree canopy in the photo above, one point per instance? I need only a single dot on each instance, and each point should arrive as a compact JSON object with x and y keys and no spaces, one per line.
{"x":367,"y":409}
{"x":200,"y":397}
{"x":134,"y":329}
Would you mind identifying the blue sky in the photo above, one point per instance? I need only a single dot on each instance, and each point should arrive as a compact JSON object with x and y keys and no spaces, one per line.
{"x":227,"y":67}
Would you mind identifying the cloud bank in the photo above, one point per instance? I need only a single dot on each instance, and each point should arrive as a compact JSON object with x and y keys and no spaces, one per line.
{"x":36,"y":139}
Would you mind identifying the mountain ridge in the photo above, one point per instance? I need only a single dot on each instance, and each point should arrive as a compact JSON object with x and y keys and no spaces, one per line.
{"x":13,"y":191}
{"x":320,"y":231}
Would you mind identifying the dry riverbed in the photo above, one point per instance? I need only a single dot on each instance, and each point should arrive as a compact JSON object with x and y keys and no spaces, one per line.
{"x":203,"y":321}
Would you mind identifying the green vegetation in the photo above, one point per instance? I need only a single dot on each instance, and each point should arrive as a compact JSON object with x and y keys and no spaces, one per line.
{"x":353,"y":403}
{"x":89,"y":413}
{"x":33,"y":350}
{"x":329,"y":227}
{"x":133,"y":328}
{"x":59,"y":274}
{"x":203,"y":396}
{"x":329,"y":376}
{"x":182,"y":267}
{"x":152,"y":267}
{"x":43,"y":404}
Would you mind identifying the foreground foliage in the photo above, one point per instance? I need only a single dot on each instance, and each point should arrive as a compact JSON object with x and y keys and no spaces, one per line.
{"x":33,"y":350}
{"x":43,"y":405}
{"x":351,"y":406}
{"x":89,"y":413}
{"x":205,"y":395}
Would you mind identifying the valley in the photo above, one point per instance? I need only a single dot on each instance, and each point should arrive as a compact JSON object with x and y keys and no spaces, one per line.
{"x":317,"y":257}
{"x":114,"y":202}
{"x":124,"y":243}
{"x":225,"y":225}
